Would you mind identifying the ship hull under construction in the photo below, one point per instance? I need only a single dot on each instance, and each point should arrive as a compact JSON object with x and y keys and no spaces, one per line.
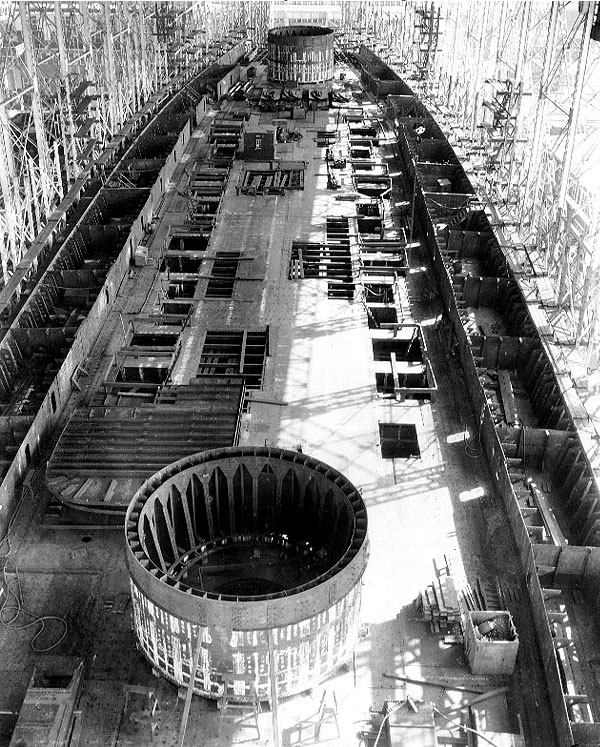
{"x":298,"y":271}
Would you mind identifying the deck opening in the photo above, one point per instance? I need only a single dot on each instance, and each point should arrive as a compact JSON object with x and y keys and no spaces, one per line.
{"x":379,"y":315}
{"x":398,"y":441}
{"x":370,"y":225}
{"x":405,"y":348}
{"x":362,"y":165}
{"x":379,"y":293}
{"x":222,"y":276}
{"x":388,"y":384}
{"x":181,"y":289}
{"x":188,"y":243}
{"x":181,"y":264}
{"x":154,"y":340}
{"x":383,"y":265}
{"x":325,"y":138}
{"x":259,"y":180}
{"x":311,"y":260}
{"x":234,"y":353}
{"x":182,"y":308}
{"x":143,"y":371}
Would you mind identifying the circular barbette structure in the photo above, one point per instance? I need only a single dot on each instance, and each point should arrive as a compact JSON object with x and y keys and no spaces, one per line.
{"x":239,"y":555}
{"x":302,"y":54}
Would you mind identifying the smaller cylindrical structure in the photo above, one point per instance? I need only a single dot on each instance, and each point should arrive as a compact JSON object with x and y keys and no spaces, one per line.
{"x":302,"y":54}
{"x":254,"y":555}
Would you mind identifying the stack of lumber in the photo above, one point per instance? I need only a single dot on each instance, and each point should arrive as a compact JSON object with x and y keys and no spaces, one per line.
{"x":438,"y":603}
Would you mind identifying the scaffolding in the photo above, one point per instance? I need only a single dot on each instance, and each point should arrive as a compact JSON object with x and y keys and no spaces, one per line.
{"x":71,"y":75}
{"x":516,"y":87}
{"x":230,"y":21}
{"x":530,"y":110}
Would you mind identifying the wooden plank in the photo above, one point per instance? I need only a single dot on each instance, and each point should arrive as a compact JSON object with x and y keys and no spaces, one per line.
{"x":441,"y":610}
{"x":449,"y":593}
{"x":84,"y":488}
{"x":108,"y":496}
{"x":394,"y":365}
{"x":540,"y":319}
{"x":243,"y":351}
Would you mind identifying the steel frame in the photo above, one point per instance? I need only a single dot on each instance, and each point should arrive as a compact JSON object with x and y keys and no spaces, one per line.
{"x":229,"y":21}
{"x":539,"y":148}
{"x":517,"y":85}
{"x":71,"y":74}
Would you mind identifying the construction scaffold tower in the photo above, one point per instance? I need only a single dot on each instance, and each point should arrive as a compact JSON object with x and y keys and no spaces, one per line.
{"x":234,"y":20}
{"x":516,"y":87}
{"x":71,"y":74}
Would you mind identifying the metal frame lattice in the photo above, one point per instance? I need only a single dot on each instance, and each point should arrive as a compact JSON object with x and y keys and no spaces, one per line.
{"x":516,"y":87}
{"x":71,"y":74}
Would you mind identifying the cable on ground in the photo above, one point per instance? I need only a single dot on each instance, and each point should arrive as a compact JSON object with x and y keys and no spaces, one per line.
{"x":12,"y":607}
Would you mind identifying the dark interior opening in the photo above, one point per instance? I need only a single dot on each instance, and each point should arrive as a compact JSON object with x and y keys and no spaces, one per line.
{"x":405,"y":349}
{"x":418,"y":380}
{"x":249,"y":567}
{"x":188,"y":243}
{"x":182,"y":308}
{"x":379,"y":315}
{"x":190,"y":265}
{"x":142,"y":374}
{"x":46,"y":680}
{"x":370,"y":225}
{"x":154,"y":340}
{"x":235,"y":352}
{"x":222,"y":277}
{"x":398,"y":441}
{"x":181,"y":289}
{"x":379,"y":293}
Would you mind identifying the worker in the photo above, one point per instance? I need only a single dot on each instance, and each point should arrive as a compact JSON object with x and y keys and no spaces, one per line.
{"x":419,"y":129}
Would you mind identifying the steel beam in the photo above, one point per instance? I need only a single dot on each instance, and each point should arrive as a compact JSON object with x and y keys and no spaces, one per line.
{"x":11,"y":198}
{"x":68,"y":129}
{"x":565,"y":282}
{"x":533,"y":172}
{"x":47,"y":190}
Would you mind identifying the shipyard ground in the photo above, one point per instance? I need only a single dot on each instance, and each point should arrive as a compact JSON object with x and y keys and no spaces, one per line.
{"x":319,"y":394}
